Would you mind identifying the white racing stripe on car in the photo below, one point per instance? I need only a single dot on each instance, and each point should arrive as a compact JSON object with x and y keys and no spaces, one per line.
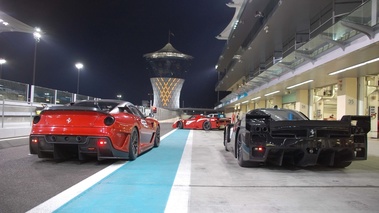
{"x":60,"y":199}
{"x":180,"y":191}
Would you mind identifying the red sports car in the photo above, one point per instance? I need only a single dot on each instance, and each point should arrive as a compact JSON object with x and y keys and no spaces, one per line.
{"x":197,"y":122}
{"x":107,"y":129}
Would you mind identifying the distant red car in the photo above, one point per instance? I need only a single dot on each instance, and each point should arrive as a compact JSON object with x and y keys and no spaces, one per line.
{"x":198,"y":122}
{"x":107,"y":129}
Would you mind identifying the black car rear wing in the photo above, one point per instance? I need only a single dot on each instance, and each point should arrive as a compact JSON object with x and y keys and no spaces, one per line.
{"x":361,"y":121}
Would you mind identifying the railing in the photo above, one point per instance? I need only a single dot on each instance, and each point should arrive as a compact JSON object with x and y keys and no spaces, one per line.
{"x":19,"y":102}
{"x":16,"y":114}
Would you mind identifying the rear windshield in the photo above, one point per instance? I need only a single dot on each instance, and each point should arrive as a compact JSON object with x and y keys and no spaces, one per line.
{"x":103,"y":106}
{"x":285,"y":115}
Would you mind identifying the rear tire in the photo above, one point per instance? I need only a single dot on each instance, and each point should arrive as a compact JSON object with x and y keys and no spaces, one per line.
{"x":343,"y":159}
{"x":342,"y":164}
{"x":180,"y":125}
{"x":242,"y":162}
{"x":225,"y":139}
{"x":133,"y":145}
{"x":157,"y":139}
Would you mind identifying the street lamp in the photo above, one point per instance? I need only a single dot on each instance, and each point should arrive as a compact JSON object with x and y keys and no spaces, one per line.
{"x":119,"y":96}
{"x":2,"y":61}
{"x":37,"y":37}
{"x":78,"y":66}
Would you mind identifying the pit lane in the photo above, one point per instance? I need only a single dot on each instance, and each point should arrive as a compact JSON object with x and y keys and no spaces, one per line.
{"x":210,"y":181}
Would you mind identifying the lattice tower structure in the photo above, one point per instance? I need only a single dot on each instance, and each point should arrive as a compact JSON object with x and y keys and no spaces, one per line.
{"x":168,"y":68}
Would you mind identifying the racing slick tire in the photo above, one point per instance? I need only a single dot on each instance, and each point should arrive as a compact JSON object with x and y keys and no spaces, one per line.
{"x":207,"y":125}
{"x":240,"y":159}
{"x":157,"y":139}
{"x":133,"y":145}
{"x":343,"y":159}
{"x":225,"y":135}
{"x":342,"y":164}
{"x":180,"y":125}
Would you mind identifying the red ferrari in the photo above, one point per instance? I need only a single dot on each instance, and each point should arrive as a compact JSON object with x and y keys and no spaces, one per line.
{"x":197,"y":122}
{"x":107,"y":129}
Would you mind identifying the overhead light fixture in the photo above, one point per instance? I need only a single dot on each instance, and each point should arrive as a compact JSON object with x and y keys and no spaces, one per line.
{"x":355,"y":66}
{"x":256,"y":98}
{"x":271,"y":93}
{"x":299,"y":84}
{"x":244,"y":102}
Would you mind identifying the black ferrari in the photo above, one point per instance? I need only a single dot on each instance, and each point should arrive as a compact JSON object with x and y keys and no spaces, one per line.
{"x":279,"y":136}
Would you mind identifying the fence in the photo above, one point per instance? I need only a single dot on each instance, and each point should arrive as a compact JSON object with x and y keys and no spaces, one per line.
{"x":19,"y":102}
{"x":16,"y":114}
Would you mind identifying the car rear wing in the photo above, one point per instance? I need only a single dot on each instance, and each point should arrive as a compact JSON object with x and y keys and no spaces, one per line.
{"x":73,"y":108}
{"x":361,"y":121}
{"x":355,"y":121}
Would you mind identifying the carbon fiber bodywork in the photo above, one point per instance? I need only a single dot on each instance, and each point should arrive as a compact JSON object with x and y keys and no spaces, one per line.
{"x":280,"y":135}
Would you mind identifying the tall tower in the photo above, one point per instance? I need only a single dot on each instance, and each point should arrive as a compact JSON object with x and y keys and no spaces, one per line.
{"x":168,"y":67}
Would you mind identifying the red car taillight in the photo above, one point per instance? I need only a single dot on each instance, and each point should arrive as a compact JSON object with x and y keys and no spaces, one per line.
{"x":101,"y":142}
{"x":259,"y":149}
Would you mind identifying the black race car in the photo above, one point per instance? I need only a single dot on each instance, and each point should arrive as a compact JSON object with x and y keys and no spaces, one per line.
{"x":281,"y":135}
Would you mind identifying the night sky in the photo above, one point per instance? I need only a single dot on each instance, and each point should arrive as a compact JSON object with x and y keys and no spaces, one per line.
{"x":110,"y":38}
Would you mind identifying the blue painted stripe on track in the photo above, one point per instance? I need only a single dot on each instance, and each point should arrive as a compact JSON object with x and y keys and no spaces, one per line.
{"x":142,"y":185}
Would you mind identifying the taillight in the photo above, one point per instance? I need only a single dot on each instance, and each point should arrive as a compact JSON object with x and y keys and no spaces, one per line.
{"x":34,"y":140}
{"x":36,"y":119}
{"x":259,"y":149}
{"x":109,"y":120}
{"x":101,"y":142}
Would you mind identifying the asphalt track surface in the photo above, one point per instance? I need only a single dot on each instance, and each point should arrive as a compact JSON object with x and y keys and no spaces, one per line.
{"x":191,"y":172}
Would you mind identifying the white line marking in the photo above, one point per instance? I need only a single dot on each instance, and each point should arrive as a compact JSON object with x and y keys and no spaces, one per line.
{"x":60,"y":199}
{"x":9,"y":139}
{"x":65,"y":196}
{"x":180,"y":191}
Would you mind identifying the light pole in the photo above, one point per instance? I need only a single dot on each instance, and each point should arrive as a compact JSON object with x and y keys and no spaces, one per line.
{"x":2,"y":61}
{"x":78,"y":66}
{"x":150,"y":99}
{"x":119,"y":96}
{"x":37,"y":36}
